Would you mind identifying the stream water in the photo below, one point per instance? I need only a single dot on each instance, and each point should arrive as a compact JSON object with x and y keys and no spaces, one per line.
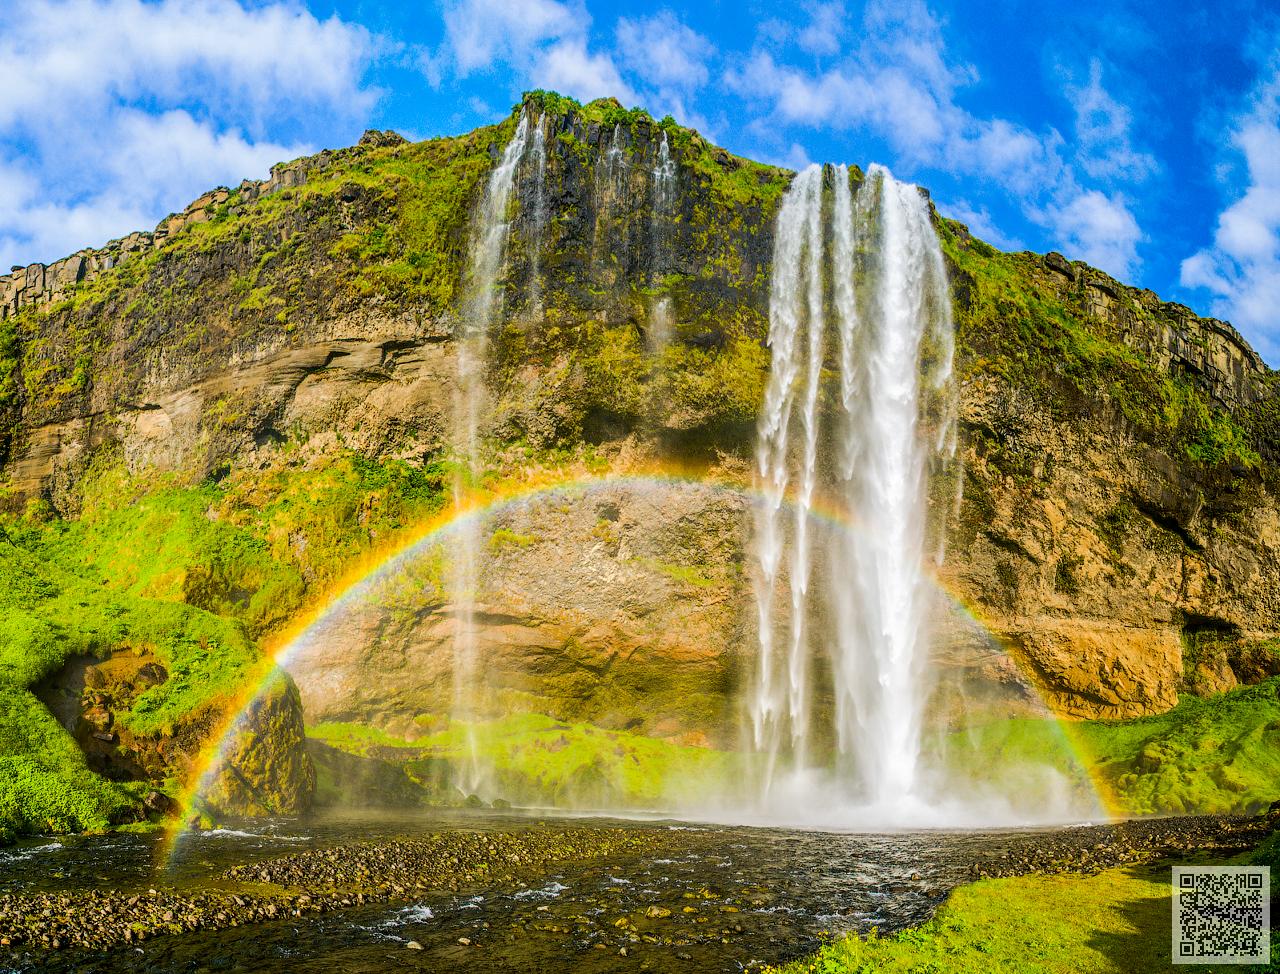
{"x":737,"y":898}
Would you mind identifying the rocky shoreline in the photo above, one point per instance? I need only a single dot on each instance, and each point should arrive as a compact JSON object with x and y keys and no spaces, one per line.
{"x":1093,"y":848}
{"x":306,"y":884}
{"x":352,"y":875}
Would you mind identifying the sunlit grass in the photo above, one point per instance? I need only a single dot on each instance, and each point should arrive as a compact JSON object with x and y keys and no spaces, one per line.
{"x":1115,"y":922}
{"x":535,"y":759}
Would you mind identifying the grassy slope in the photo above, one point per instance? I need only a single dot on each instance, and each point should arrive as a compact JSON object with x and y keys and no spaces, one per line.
{"x":48,"y":614}
{"x":1115,"y":922}
{"x":191,"y":573}
{"x":539,"y":760}
{"x":1207,"y":755}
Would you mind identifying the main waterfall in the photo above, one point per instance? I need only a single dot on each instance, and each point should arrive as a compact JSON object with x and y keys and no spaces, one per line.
{"x":859,"y":286}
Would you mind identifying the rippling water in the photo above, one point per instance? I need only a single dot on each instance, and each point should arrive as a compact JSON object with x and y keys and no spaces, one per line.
{"x":735,"y":898}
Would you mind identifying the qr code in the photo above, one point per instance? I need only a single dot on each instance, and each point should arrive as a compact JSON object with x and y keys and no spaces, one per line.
{"x":1221,"y":914}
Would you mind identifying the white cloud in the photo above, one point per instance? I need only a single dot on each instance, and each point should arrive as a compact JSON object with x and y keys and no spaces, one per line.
{"x":480,"y":33}
{"x":825,"y":30}
{"x":119,"y":111}
{"x":1105,"y":148}
{"x":1096,"y":228}
{"x":899,"y":83}
{"x":150,"y":148}
{"x":979,"y":222}
{"x":71,"y":55}
{"x":568,"y":67}
{"x":545,"y":43}
{"x":663,"y":51}
{"x":1241,"y":269}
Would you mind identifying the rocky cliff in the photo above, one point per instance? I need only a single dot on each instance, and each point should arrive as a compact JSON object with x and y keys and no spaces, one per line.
{"x":260,"y":395}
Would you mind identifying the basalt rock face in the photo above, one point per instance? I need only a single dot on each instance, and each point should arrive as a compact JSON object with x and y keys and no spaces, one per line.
{"x":618,"y":605}
{"x":1105,"y":566}
{"x":1121,"y":559}
{"x":1117,"y":531}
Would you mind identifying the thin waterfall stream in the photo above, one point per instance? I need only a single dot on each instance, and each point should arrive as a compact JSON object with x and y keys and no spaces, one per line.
{"x":664,"y":200}
{"x":483,"y":308}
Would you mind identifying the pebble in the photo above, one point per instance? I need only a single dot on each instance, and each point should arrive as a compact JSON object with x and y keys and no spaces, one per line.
{"x":323,"y":880}
{"x":312,"y":882}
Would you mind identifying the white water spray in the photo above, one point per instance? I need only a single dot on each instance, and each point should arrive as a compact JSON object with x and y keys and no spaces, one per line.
{"x":664,"y":199}
{"x":615,"y":162}
{"x":483,"y":307}
{"x":538,"y":154}
{"x":890,"y":309}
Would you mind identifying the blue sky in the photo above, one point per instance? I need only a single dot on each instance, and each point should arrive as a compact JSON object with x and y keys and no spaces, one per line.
{"x":1142,"y":137}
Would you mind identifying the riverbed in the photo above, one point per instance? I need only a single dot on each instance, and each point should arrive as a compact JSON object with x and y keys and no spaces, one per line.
{"x":491,"y":892}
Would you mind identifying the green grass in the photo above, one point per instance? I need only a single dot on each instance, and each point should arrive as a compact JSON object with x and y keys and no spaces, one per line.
{"x":248,"y":548}
{"x":539,"y":760}
{"x":684,"y":574}
{"x":1220,"y":754}
{"x":190,"y":573}
{"x":1115,"y":922}
{"x":50,"y":614}
{"x":504,"y":539}
{"x":45,"y":785}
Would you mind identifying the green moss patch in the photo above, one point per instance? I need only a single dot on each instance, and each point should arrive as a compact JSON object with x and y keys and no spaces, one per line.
{"x":1116,"y":922}
{"x":190,"y":574}
{"x":537,"y":760}
{"x":1220,"y":754}
{"x":1011,"y":326}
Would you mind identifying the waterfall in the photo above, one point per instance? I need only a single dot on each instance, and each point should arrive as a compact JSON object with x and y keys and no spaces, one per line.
{"x":482,"y":308}
{"x":538,"y":152}
{"x":615,"y":161}
{"x":664,"y":192}
{"x":889,"y":310}
{"x":780,"y":702}
{"x":664,"y":199}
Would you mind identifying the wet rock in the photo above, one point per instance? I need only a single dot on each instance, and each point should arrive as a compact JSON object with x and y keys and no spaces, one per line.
{"x":315,"y":882}
{"x":265,"y":769}
{"x":158,"y":803}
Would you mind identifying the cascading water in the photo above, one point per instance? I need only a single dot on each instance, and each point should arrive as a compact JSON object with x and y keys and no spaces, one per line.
{"x":483,"y":307}
{"x":664,"y":185}
{"x":889,"y":307}
{"x":615,"y":162}
{"x":664,"y":199}
{"x":538,"y":154}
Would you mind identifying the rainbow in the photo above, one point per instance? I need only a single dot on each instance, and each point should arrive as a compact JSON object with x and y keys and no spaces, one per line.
{"x":481,"y":504}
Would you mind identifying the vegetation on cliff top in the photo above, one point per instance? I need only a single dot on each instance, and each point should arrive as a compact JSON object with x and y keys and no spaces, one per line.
{"x":1012,"y":326}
